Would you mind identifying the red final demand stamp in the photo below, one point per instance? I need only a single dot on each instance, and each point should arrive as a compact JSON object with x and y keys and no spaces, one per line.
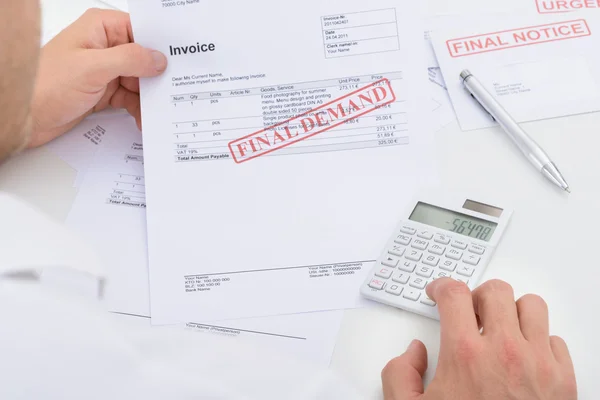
{"x":313,"y":122}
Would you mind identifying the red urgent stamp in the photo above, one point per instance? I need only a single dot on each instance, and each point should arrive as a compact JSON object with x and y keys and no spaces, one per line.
{"x":313,"y":122}
{"x":561,"y":6}
{"x":512,"y":38}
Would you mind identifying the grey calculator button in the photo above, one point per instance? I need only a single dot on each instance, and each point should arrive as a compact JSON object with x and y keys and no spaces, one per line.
{"x":425,"y":235}
{"x":459,"y":244}
{"x":401,"y":277}
{"x":443,"y":239}
{"x":454,"y":254}
{"x":377,"y":284}
{"x":407,"y":266}
{"x":431,"y":260}
{"x":411,"y":294}
{"x":402,"y":239}
{"x":442,"y":274}
{"x":394,"y":289}
{"x":390,"y":261}
{"x":397,"y":250}
{"x":384,"y":273}
{"x":437,"y":249}
{"x":420,"y":244}
{"x":448,"y":265}
{"x":408,"y":230}
{"x":428,"y":302}
{"x":472,"y":259}
{"x":477,"y":249}
{"x":413,"y":255}
{"x":417,"y":282}
{"x":465,"y":270}
{"x":424,"y":271}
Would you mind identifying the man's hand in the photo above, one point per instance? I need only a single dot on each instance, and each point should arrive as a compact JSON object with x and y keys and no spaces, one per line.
{"x":90,"y":66}
{"x":513,"y":357}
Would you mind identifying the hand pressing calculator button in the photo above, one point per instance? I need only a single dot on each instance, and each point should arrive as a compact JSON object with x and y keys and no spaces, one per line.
{"x":442,"y":238}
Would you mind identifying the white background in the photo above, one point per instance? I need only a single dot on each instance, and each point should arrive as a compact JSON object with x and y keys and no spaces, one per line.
{"x":550,"y":247}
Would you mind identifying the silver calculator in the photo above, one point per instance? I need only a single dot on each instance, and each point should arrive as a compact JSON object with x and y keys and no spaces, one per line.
{"x":442,"y":236}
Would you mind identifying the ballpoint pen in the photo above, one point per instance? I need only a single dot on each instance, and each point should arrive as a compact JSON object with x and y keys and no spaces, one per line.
{"x":532,"y":151}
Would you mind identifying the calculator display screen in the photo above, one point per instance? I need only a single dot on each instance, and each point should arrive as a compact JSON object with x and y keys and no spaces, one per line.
{"x":453,"y":221}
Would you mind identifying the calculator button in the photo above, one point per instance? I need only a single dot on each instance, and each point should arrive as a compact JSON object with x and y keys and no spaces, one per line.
{"x":465,"y":270}
{"x":394,"y":289}
{"x":384,"y":273}
{"x":401,"y":277}
{"x":437,"y":249}
{"x":407,"y":266}
{"x":408,"y":230}
{"x":472,"y":259}
{"x":459,"y":244}
{"x":418,"y":283}
{"x":414,"y":255}
{"x":402,"y":239}
{"x":390,"y":261}
{"x":425,"y":235}
{"x":454,"y":254}
{"x":477,"y":249}
{"x":397,"y":250}
{"x":431,"y":260}
{"x":424,"y":271}
{"x":443,"y":239}
{"x":428,"y":302}
{"x":420,"y":244}
{"x":448,"y":265}
{"x":377,"y":284}
{"x":441,"y":274}
{"x":411,"y":294}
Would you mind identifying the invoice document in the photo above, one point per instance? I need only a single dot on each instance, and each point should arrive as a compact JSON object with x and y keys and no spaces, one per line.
{"x":78,"y":146}
{"x":110,"y":214}
{"x":280,"y":146}
{"x":537,"y":66}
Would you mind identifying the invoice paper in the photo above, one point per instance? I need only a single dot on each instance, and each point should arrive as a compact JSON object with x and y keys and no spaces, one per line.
{"x":78,"y":147}
{"x":537,"y":66}
{"x":109,"y":213}
{"x":280,"y":145}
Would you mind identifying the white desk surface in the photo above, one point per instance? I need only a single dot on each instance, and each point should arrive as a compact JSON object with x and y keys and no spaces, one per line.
{"x":548,"y":249}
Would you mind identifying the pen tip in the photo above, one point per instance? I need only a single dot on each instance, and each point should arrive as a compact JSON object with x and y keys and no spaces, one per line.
{"x":568,"y":190}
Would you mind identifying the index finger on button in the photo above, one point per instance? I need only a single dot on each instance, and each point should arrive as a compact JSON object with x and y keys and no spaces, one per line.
{"x":455,"y":305}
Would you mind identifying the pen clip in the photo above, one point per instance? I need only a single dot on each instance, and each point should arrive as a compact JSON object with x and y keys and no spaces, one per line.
{"x":481,"y":105}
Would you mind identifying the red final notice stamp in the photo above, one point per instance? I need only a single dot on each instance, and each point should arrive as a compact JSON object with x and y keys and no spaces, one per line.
{"x":313,"y":122}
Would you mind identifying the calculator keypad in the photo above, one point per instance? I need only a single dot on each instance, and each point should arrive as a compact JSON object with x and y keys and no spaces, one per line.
{"x":417,"y":257}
